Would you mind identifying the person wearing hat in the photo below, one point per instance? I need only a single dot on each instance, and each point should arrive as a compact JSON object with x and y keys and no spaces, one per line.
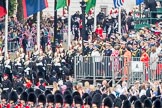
{"x":87,"y":102}
{"x":58,"y":100}
{"x":4,"y":99}
{"x":17,"y":81}
{"x":78,"y":102}
{"x":50,"y":101}
{"x":13,"y":98}
{"x":68,"y":101}
{"x":6,"y":83}
{"x":32,"y":99}
{"x":107,"y":102}
{"x":96,"y":100}
{"x":22,"y":100}
{"x":41,"y":101}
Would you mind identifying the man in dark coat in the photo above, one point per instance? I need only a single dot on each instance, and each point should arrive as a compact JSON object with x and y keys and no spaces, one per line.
{"x":24,"y":43}
{"x":152,"y":5}
{"x":43,"y":42}
{"x":6,"y":83}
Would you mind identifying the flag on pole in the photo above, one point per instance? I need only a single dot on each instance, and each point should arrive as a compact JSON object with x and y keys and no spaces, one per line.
{"x":90,"y":4}
{"x":118,"y":3}
{"x":31,"y":7}
{"x":3,"y":11}
{"x":62,"y":3}
{"x":138,"y":2}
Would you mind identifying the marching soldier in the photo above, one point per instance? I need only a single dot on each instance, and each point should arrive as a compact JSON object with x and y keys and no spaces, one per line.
{"x":13,"y":98}
{"x":58,"y":100}
{"x":78,"y":102}
{"x":23,"y":100}
{"x":68,"y":100}
{"x":50,"y":101}
{"x":41,"y":101}
{"x":32,"y":99}
{"x":4,"y":99}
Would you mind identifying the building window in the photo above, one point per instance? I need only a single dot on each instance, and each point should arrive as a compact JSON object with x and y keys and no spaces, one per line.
{"x":104,"y":9}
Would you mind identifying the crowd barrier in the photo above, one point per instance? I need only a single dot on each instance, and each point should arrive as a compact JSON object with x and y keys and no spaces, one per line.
{"x":13,"y":46}
{"x":115,"y":69}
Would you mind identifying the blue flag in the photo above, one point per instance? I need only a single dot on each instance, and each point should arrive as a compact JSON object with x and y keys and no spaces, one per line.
{"x":139,"y":2}
{"x":31,"y":7}
{"x":118,"y":3}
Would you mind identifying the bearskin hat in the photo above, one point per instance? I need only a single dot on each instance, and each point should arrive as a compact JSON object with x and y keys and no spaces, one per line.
{"x":58,"y":98}
{"x":42,"y":99}
{"x":24,"y":96}
{"x":68,"y":99}
{"x":32,"y":97}
{"x":4,"y":95}
{"x":78,"y":100}
{"x":13,"y":96}
{"x":50,"y":98}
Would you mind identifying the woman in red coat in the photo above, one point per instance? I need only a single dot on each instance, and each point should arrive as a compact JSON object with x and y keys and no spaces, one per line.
{"x":99,"y":31}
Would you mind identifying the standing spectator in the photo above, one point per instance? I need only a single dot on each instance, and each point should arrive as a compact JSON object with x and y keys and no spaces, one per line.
{"x":153,"y":62}
{"x":99,"y":31}
{"x":145,"y":59}
{"x":143,"y":90}
{"x":130,"y":22}
{"x":76,"y":31}
{"x":43,"y":42}
{"x":127,"y":59}
{"x":24,"y":43}
{"x":152,"y":5}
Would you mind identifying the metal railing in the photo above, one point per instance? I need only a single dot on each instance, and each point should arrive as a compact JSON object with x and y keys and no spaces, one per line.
{"x":115,"y":69}
{"x":13,"y":46}
{"x":145,"y":19}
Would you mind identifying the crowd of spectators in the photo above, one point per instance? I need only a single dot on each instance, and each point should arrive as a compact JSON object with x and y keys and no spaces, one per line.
{"x":24,"y":84}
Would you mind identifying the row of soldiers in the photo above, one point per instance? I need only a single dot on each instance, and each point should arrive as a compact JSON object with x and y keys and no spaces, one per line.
{"x":30,"y":68}
{"x":35,"y":98}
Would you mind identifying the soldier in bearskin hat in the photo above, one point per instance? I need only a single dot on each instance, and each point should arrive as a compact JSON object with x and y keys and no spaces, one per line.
{"x":4,"y":99}
{"x":58,"y":100}
{"x":13,"y":99}
{"x":32,"y":99}
{"x":50,"y":101}
{"x":23,"y":100}
{"x":41,"y":101}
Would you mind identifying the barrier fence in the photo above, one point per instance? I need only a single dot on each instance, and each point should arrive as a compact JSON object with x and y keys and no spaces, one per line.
{"x":116,"y":69}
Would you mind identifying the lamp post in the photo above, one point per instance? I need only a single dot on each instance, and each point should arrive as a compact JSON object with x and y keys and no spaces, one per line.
{"x":83,"y":7}
{"x":55,"y":27}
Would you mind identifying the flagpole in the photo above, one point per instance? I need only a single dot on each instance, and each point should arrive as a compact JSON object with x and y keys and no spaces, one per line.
{"x":6,"y":30}
{"x":69,"y":27}
{"x":119,"y":21}
{"x":38,"y":30}
{"x":95,"y":18}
